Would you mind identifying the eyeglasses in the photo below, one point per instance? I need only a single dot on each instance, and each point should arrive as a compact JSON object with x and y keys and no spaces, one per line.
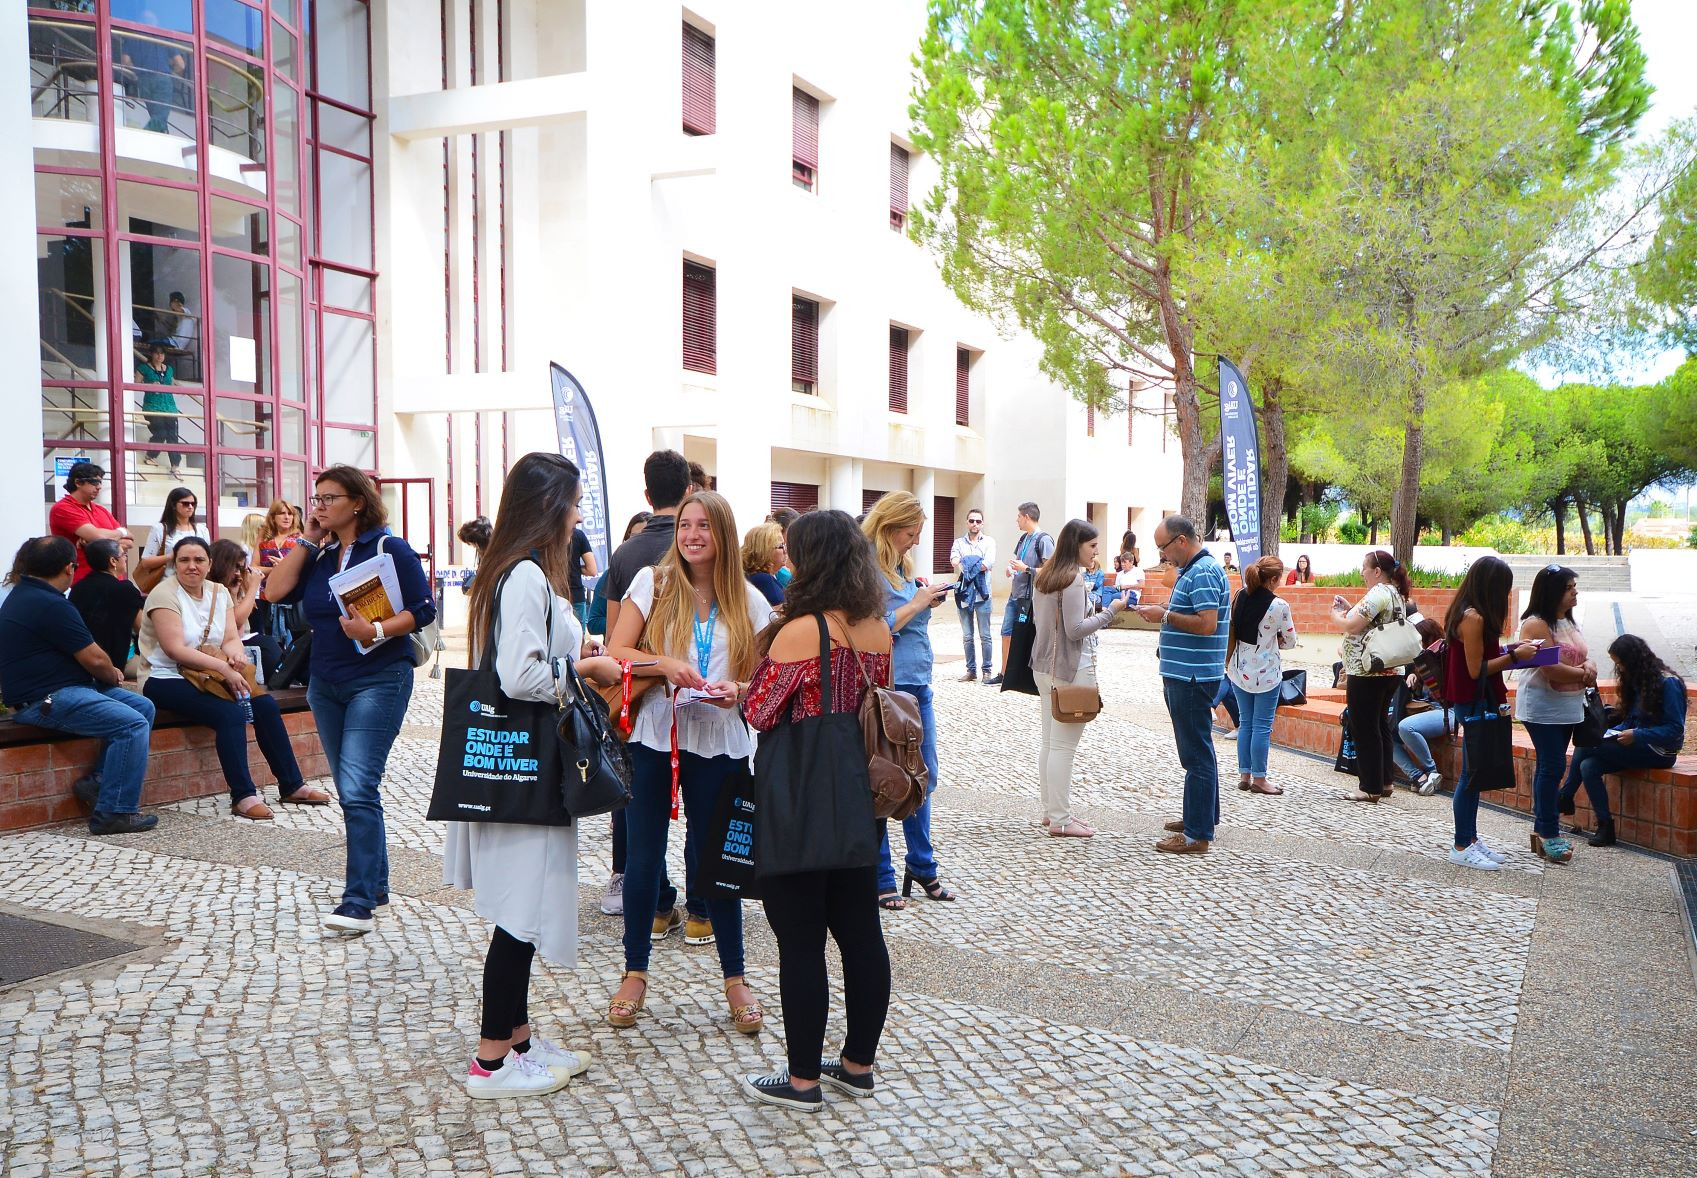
{"x":325,"y":500}
{"x":1170,"y":540}
{"x":91,"y":482}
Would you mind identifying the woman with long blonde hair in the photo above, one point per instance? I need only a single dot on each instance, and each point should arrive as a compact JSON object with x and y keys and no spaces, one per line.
{"x":691,"y":621}
{"x":894,"y":526}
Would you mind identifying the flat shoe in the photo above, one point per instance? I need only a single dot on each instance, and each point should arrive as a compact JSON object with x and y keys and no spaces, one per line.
{"x":258,"y":812}
{"x":306,"y":795}
{"x":1271,"y":791}
{"x":1179,"y":845}
{"x":1072,"y":828}
{"x":1359,"y":796}
{"x":1176,"y":826}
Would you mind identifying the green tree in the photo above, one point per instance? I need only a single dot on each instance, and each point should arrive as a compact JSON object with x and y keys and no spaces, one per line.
{"x":1666,"y":280}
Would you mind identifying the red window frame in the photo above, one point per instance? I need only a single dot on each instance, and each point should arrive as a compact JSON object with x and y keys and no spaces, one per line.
{"x":898,"y":186}
{"x":942,"y":530}
{"x":963,"y":386}
{"x":804,"y":345}
{"x":804,"y":140}
{"x":899,"y":343}
{"x":796,"y":496}
{"x":700,"y":82}
{"x":700,"y":317}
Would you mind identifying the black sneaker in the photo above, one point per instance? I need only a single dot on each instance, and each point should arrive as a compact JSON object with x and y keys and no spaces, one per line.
{"x":832,"y":1072}
{"x":86,"y":789}
{"x":993,"y":681}
{"x":776,"y":1089}
{"x":350,"y":918}
{"x":101,"y":822}
{"x":382,"y":899}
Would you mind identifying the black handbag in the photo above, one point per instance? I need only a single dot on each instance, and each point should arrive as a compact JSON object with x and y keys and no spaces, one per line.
{"x":1487,"y":742}
{"x":597,"y":764}
{"x":1293,"y":689}
{"x":1016,"y":674}
{"x":1345,"y":762}
{"x":813,"y":791}
{"x":727,"y":858}
{"x":1588,"y":733}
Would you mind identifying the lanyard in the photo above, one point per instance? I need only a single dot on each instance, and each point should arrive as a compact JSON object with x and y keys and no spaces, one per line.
{"x":704,"y":639}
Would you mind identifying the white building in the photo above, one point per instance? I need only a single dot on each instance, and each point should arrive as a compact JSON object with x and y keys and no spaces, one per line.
{"x":538,"y":198}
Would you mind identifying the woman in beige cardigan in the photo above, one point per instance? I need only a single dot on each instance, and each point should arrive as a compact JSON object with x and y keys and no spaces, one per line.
{"x":1063,"y":653}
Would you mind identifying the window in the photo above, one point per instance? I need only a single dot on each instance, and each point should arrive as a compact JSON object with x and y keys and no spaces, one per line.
{"x":1090,"y":421}
{"x":804,"y":345}
{"x":701,"y":309}
{"x":804,"y":152}
{"x":898,"y":187}
{"x":869,"y":499}
{"x":699,"y":105}
{"x":942,"y":530}
{"x":963,"y":386}
{"x":898,"y":370}
{"x":795,"y":496}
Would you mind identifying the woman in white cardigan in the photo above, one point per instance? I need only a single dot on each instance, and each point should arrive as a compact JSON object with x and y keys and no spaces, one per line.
{"x":525,"y":877}
{"x":1063,"y":653}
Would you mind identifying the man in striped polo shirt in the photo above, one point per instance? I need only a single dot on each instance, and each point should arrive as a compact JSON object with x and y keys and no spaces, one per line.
{"x":1193,"y":660}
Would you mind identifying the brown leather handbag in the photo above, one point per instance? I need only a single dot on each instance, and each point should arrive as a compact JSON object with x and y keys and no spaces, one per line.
{"x":213,"y":682}
{"x":893,"y":732}
{"x":1075,"y":703}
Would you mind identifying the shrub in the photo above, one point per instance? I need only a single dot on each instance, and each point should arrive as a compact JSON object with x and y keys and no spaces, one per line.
{"x":1419,"y":577}
{"x":1290,"y":532}
{"x":1315,"y":519}
{"x":1352,"y":531}
{"x":1502,"y":533}
{"x":1692,"y":539}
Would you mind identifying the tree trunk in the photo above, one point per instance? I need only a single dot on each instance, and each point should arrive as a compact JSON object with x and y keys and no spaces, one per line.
{"x":1584,"y":525}
{"x":1405,"y":504}
{"x":1275,"y":465}
{"x":1373,"y":533}
{"x":1176,"y":327}
{"x":1558,"y":507}
{"x":1620,"y":529}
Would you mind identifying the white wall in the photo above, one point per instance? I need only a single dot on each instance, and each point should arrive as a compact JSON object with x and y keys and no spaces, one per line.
{"x":21,"y":469}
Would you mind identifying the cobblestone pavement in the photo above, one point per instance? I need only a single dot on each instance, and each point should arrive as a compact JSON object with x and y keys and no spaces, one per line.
{"x":1323,"y":994}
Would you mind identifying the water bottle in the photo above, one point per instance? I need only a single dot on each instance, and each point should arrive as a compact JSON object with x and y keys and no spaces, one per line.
{"x":246,"y":703}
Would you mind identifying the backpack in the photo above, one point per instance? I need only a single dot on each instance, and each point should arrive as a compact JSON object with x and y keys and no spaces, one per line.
{"x":1430,"y":665}
{"x":894,"y":736}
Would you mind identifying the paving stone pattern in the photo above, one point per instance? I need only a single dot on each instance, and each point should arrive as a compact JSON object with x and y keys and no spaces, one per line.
{"x":1323,"y":994}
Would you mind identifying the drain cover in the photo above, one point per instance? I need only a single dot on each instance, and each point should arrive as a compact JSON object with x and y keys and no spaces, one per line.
{"x":1686,"y":870}
{"x":31,"y":948}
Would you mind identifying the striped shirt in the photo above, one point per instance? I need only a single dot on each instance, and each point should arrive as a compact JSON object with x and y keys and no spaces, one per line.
{"x":1199,"y":658}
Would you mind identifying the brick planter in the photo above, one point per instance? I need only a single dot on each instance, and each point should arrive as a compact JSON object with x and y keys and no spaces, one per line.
{"x":1311,"y":605}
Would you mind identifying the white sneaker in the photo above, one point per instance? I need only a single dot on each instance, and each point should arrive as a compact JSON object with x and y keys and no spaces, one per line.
{"x":517,"y":1076}
{"x":1429,"y":783}
{"x":613,"y":900}
{"x":1491,"y":852}
{"x":556,"y":1058}
{"x":1475,"y":858}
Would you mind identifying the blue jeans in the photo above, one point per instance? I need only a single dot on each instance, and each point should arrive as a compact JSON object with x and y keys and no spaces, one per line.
{"x":1010,"y":613}
{"x":648,"y":821}
{"x":916,"y":827}
{"x":116,"y":715}
{"x":1611,"y":756}
{"x":668,"y":898}
{"x":229,"y":732}
{"x":1413,"y":755}
{"x":1550,"y":742}
{"x":358,"y":721}
{"x":1255,"y":711}
{"x":980,"y":614}
{"x":1190,"y":705}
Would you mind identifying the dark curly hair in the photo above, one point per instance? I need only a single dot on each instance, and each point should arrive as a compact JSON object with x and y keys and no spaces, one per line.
{"x":834,"y":570}
{"x":1641,"y":675}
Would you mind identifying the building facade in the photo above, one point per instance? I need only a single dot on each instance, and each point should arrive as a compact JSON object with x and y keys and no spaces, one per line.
{"x":403,"y":215}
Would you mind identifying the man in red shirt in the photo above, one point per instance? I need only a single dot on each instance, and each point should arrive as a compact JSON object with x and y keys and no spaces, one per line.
{"x":79,"y":519}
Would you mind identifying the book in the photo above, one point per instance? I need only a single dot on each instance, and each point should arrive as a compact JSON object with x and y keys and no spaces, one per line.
{"x":370,"y":589}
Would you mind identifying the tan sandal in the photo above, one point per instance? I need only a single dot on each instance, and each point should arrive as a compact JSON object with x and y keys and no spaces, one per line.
{"x":306,"y":795}
{"x":258,"y":812}
{"x":622,"y":1012}
{"x":749,"y":1018}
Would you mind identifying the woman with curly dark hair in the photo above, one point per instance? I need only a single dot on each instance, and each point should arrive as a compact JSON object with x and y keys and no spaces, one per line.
{"x":1647,"y":733}
{"x":835,"y":579}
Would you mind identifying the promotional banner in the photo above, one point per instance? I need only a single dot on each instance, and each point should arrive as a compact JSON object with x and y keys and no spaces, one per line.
{"x":580,"y":441}
{"x":1240,"y":462}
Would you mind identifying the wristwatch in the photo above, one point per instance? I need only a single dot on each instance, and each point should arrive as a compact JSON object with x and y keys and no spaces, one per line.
{"x":381,"y":637}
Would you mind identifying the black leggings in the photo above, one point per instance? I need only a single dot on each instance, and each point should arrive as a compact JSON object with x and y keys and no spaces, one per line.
{"x":1370,"y":727}
{"x":506,"y":985}
{"x":800,"y":909}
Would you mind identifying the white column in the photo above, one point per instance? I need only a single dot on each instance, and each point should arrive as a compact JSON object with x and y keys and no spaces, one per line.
{"x":844,"y":480}
{"x":925,"y":490}
{"x":21,"y":477}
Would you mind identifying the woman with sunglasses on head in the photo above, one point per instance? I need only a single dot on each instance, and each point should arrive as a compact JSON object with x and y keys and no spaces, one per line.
{"x":358,"y":693}
{"x":691,"y":621}
{"x":1550,"y":700}
{"x":175,"y":522}
{"x":524,"y":877}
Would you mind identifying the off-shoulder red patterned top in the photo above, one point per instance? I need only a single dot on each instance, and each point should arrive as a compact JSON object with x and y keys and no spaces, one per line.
{"x":780,"y":692}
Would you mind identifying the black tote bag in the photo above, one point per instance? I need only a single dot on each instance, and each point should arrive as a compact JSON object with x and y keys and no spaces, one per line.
{"x":1487,"y":742}
{"x":1588,"y":733}
{"x":727,"y":856}
{"x":813,"y":793}
{"x":500,"y":759}
{"x":1016,"y":674}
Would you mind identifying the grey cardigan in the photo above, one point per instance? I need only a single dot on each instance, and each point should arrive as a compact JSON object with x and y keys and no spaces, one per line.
{"x":1056,"y":649}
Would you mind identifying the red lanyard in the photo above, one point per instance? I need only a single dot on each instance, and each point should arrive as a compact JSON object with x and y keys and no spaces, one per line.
{"x":674,"y":758}
{"x":625,"y":724}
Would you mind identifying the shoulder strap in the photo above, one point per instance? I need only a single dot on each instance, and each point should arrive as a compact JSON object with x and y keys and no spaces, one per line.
{"x":824,"y":665}
{"x":211,"y":612}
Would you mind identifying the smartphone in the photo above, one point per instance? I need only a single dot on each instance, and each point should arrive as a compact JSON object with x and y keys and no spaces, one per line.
{"x":1613,"y":734}
{"x":949,"y":588}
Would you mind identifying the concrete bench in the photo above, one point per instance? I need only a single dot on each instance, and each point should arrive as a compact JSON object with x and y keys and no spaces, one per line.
{"x":38,"y":765}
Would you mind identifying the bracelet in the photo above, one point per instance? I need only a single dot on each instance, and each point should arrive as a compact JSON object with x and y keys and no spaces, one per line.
{"x":312,"y":544}
{"x":381,"y":637}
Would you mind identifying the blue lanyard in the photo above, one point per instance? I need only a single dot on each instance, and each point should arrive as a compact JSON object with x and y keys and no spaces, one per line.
{"x":704,"y":639}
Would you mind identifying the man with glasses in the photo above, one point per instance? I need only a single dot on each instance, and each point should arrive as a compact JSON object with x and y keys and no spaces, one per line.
{"x":79,"y":519}
{"x":972,"y":556}
{"x":1193,"y":661}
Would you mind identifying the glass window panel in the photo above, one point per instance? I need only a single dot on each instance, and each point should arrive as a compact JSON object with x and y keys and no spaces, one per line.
{"x":160,"y":14}
{"x":340,"y":46}
{"x":241,"y":319}
{"x":55,"y":466}
{"x":236,"y":25}
{"x":75,"y":414}
{"x":291,"y":366}
{"x":293,"y":440}
{"x":236,"y":117}
{"x":164,"y":431}
{"x":244,"y":485}
{"x":67,"y":202}
{"x":338,"y":128}
{"x":240,"y":226}
{"x":351,"y":291}
{"x":64,"y":71}
{"x":288,"y":242}
{"x":163,"y":282}
{"x":294,"y":485}
{"x":349,"y":391}
{"x":158,"y":211}
{"x":285,"y":52}
{"x":245,"y":425}
{"x":285,"y":126}
{"x":345,"y":234}
{"x":153,"y":84}
{"x":354,"y":447}
{"x":71,"y":290}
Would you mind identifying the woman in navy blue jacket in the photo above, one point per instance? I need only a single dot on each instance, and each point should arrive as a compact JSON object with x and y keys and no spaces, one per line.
{"x":358,"y":700}
{"x":1648,"y":731}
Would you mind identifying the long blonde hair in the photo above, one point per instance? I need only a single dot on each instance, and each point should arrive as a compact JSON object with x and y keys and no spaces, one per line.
{"x":896,"y":510}
{"x":252,"y":528}
{"x":671,"y":621}
{"x":269,"y":531}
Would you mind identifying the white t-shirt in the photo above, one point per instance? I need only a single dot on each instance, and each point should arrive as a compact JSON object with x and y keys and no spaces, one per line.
{"x":703,"y":728}
{"x":159,"y":544}
{"x":214,"y":604}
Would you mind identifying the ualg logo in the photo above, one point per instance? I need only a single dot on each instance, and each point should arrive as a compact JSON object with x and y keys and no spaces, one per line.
{"x":483,"y":709}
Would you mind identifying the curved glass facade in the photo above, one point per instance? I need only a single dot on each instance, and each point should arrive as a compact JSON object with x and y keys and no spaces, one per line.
{"x":204,"y":258}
